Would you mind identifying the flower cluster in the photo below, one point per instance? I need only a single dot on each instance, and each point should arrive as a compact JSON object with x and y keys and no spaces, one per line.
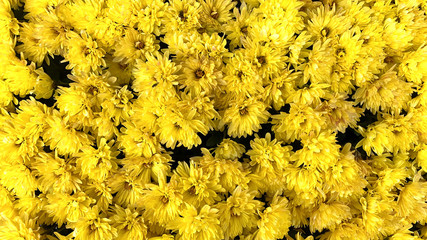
{"x":291,"y":119}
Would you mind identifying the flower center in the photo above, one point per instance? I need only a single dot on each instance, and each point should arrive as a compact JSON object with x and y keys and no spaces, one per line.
{"x":140,"y":45}
{"x":244,"y":111}
{"x":164,"y":199}
{"x":127,"y":186}
{"x":199,"y":73}
{"x":214,"y":15}
{"x":261,"y":60}
{"x":325,"y":31}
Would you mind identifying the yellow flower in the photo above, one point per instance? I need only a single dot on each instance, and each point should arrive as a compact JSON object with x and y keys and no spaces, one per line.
{"x":215,"y":13}
{"x":329,"y":215}
{"x":83,"y":54}
{"x":411,"y":201}
{"x":197,"y":186}
{"x":422,"y":156}
{"x":101,"y":192}
{"x":201,"y":76}
{"x":63,"y":207}
{"x":267,"y":60}
{"x":97,"y":163}
{"x":63,"y":136}
{"x":157,"y":75}
{"x":134,"y":45}
{"x":238,"y":28}
{"x":396,"y":35}
{"x":44,"y":86}
{"x":31,"y":46}
{"x":19,"y":227}
{"x":6,"y":96}
{"x":180,"y":125}
{"x":241,"y":78}
{"x":162,"y":202}
{"x":244,"y":117}
{"x":230,"y":172}
{"x":319,"y":151}
{"x":327,"y":23}
{"x":340,"y":113}
{"x":135,"y":142}
{"x":183,"y":15}
{"x":129,"y":223}
{"x":268,"y":160}
{"x":93,"y":226}
{"x":238,"y":212}
{"x":320,"y":63}
{"x":128,"y":189}
{"x":301,"y":120}
{"x":274,"y":221}
{"x":308,"y":95}
{"x":53,"y":33}
{"x":389,"y":94}
{"x":150,"y":15}
{"x":213,"y":46}
{"x":345,"y":178}
{"x":20,"y":78}
{"x":229,"y":149}
{"x":413,"y":65}
{"x":56,"y":174}
{"x":197,"y":225}
{"x":19,"y":178}
{"x":392,"y":134}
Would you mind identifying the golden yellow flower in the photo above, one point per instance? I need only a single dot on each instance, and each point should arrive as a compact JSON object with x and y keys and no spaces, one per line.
{"x":274,"y":221}
{"x":387,"y":94}
{"x":62,"y":135}
{"x":156,"y":75}
{"x":93,"y":226}
{"x":329,"y":215}
{"x":197,"y":224}
{"x":56,"y":174}
{"x":162,"y":202}
{"x":198,"y":187}
{"x":63,"y":207}
{"x":97,"y":163}
{"x":129,"y":223}
{"x":84,"y":54}
{"x":238,"y":212}
{"x":244,"y":117}
{"x":134,"y":45}
{"x":229,"y":149}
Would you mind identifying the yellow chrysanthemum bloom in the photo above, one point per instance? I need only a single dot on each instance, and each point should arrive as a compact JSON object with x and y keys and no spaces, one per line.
{"x":156,"y":75}
{"x":238,"y":212}
{"x":389,"y":94}
{"x":129,"y":223}
{"x":244,"y":117}
{"x":274,"y":221}
{"x":93,"y":226}
{"x":63,"y":207}
{"x":268,"y":161}
{"x":56,"y":174}
{"x":97,"y":163}
{"x":63,"y":136}
{"x":230,"y":172}
{"x":229,"y":149}
{"x":198,"y":188}
{"x":135,"y":45}
{"x":83,"y":54}
{"x":197,"y":224}
{"x":301,"y":119}
{"x":329,"y":215}
{"x":162,"y":202}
